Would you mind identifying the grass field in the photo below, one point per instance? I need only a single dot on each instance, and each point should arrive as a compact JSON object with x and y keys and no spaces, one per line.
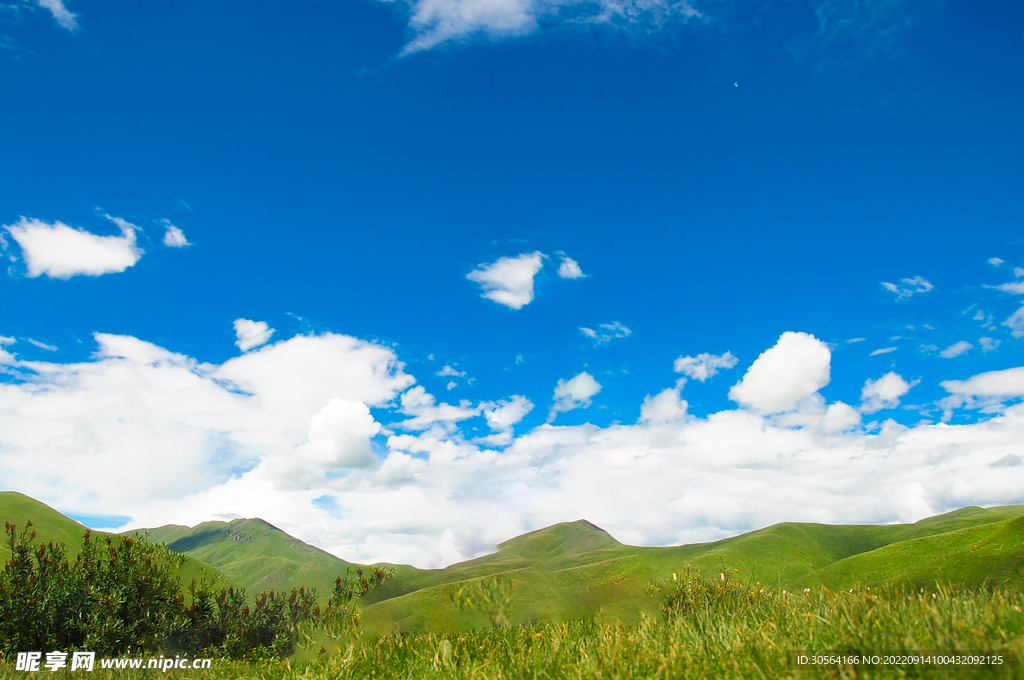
{"x":719,"y":630}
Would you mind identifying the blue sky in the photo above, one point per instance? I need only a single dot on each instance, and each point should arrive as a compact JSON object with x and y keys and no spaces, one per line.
{"x":517,"y":256}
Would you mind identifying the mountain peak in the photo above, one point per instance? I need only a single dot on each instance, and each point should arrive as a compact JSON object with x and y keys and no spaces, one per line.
{"x":559,"y":540}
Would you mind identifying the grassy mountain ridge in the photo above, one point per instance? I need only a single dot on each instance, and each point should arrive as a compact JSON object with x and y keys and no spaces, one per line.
{"x":969,"y":547}
{"x":256,"y":555}
{"x":576,"y":569}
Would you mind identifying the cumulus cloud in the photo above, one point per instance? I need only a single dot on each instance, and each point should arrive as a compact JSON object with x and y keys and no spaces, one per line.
{"x":64,"y":17}
{"x":501,"y":416}
{"x":256,"y":435}
{"x":995,"y":261}
{"x":909,"y":287}
{"x":664,"y":407}
{"x":606,"y":332}
{"x":419,"y":404}
{"x":1018,"y":272}
{"x":573,"y":393}
{"x":883,"y":350}
{"x":956,"y":349}
{"x":339,"y":436}
{"x":509,"y":280}
{"x":440,"y":21}
{"x":839,"y":417}
{"x":174,"y":237}
{"x":795,"y":368}
{"x":176,"y":426}
{"x":505,"y":413}
{"x":884,"y":392}
{"x":704,"y":366}
{"x":60,"y":251}
{"x":569,"y":269}
{"x":251,"y":333}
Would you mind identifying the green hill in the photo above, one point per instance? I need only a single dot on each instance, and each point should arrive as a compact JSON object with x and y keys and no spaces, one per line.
{"x":576,"y":569}
{"x":573,"y":570}
{"x":255,"y":555}
{"x":50,"y":525}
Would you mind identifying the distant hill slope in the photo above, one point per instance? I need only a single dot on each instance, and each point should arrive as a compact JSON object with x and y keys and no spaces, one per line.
{"x":572,"y":570}
{"x":51,"y":525}
{"x":255,"y":555}
{"x":576,"y":569}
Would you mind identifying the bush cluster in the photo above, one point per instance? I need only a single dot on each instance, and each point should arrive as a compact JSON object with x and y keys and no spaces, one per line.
{"x":121,"y":597}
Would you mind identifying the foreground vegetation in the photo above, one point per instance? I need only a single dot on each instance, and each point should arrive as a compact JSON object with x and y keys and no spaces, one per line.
{"x":121,"y":597}
{"x":718,"y":627}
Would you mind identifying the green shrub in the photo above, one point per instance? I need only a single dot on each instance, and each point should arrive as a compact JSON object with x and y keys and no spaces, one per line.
{"x":123,"y":598}
{"x":109,"y":600}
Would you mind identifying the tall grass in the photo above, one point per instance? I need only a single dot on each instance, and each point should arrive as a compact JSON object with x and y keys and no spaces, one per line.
{"x":711,"y":628}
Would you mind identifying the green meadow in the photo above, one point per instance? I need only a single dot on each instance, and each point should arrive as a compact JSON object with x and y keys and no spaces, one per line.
{"x":727,"y":630}
{"x":582,"y":605}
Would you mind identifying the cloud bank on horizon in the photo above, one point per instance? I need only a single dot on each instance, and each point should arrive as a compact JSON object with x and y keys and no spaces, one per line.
{"x":286,"y":431}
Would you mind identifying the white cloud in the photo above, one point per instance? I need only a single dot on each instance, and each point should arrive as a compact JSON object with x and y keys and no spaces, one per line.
{"x":569,"y":269}
{"x":255,"y":436}
{"x":251,"y":333}
{"x":1016,"y":323}
{"x":339,"y":436}
{"x":995,"y":261}
{"x":505,"y":413}
{"x":794,"y":369}
{"x":440,"y":21}
{"x":1005,"y":383}
{"x":1018,"y":272}
{"x":501,"y":417}
{"x":839,"y":417}
{"x":174,"y":237}
{"x":664,"y":407}
{"x":42,"y":345}
{"x":704,"y":366}
{"x":509,"y":280}
{"x":989,"y":344}
{"x":956,"y":349}
{"x":7,"y":341}
{"x":60,"y":252}
{"x":856,"y":340}
{"x":425,"y":413}
{"x":884,"y":392}
{"x":883,"y":350}
{"x":176,"y":427}
{"x":607,"y":332}
{"x":449,"y":370}
{"x":910,"y":287}
{"x":64,"y":17}
{"x":573,"y":393}
{"x":1015,"y":287}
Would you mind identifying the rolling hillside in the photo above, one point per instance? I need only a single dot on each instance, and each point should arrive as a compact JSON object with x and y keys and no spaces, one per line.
{"x":256,"y":555}
{"x":51,"y":525}
{"x":555,"y":579}
{"x":576,"y":569}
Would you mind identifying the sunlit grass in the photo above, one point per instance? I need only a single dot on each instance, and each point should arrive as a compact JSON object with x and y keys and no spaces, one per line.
{"x":717,"y":629}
